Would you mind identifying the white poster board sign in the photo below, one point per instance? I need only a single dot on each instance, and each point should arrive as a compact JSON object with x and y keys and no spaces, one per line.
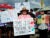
{"x":27,"y":5}
{"x":5,"y":17}
{"x":13,"y":14}
{"x":19,"y":6}
{"x":0,"y":16}
{"x":23,"y":27}
{"x":8,"y":16}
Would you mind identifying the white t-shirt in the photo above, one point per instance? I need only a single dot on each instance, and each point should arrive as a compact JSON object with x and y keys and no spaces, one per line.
{"x":42,"y":27}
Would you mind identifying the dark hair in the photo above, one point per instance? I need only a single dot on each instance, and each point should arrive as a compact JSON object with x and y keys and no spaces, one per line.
{"x":31,"y":9}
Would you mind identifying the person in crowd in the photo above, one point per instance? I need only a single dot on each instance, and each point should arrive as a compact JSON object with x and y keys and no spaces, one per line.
{"x":33,"y":15}
{"x":42,"y":26}
{"x":1,"y":26}
{"x":1,"y":29}
{"x":24,"y":15}
{"x":9,"y":29}
{"x":48,"y":20}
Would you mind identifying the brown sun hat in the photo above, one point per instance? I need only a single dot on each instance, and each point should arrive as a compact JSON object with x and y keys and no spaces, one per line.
{"x":24,"y":9}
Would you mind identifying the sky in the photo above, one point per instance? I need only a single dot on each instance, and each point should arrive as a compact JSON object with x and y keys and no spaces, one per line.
{"x":12,"y":2}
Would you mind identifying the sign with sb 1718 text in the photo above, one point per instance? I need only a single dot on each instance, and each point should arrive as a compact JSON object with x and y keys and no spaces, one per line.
{"x":23,"y":27}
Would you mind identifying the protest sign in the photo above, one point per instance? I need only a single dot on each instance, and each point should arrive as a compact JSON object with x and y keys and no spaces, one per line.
{"x":0,"y":16}
{"x":26,"y":4}
{"x":13,"y":14}
{"x":8,"y":16}
{"x":1,"y":24}
{"x":5,"y":17}
{"x":23,"y":27}
{"x":19,"y":6}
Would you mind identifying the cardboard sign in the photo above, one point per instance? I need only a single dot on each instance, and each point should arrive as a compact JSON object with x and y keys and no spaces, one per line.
{"x":23,"y":27}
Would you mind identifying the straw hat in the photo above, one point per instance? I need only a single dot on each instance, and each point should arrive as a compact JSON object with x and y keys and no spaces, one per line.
{"x":43,"y":9}
{"x":24,"y":9}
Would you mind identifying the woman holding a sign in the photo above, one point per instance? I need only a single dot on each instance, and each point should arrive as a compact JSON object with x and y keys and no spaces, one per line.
{"x":42,"y":26}
{"x":24,"y":16}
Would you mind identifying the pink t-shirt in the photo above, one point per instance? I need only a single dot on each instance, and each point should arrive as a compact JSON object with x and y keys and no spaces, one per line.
{"x":24,"y":16}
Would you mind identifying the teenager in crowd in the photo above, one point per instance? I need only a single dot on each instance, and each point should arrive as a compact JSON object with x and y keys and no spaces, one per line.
{"x":42,"y":26}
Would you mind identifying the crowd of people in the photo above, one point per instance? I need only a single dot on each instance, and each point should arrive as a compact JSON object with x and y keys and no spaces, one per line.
{"x":42,"y":22}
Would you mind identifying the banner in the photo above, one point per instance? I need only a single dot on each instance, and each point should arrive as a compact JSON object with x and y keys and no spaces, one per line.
{"x":23,"y":27}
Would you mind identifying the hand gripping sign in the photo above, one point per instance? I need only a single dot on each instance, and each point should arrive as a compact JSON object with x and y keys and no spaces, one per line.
{"x":23,"y":27}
